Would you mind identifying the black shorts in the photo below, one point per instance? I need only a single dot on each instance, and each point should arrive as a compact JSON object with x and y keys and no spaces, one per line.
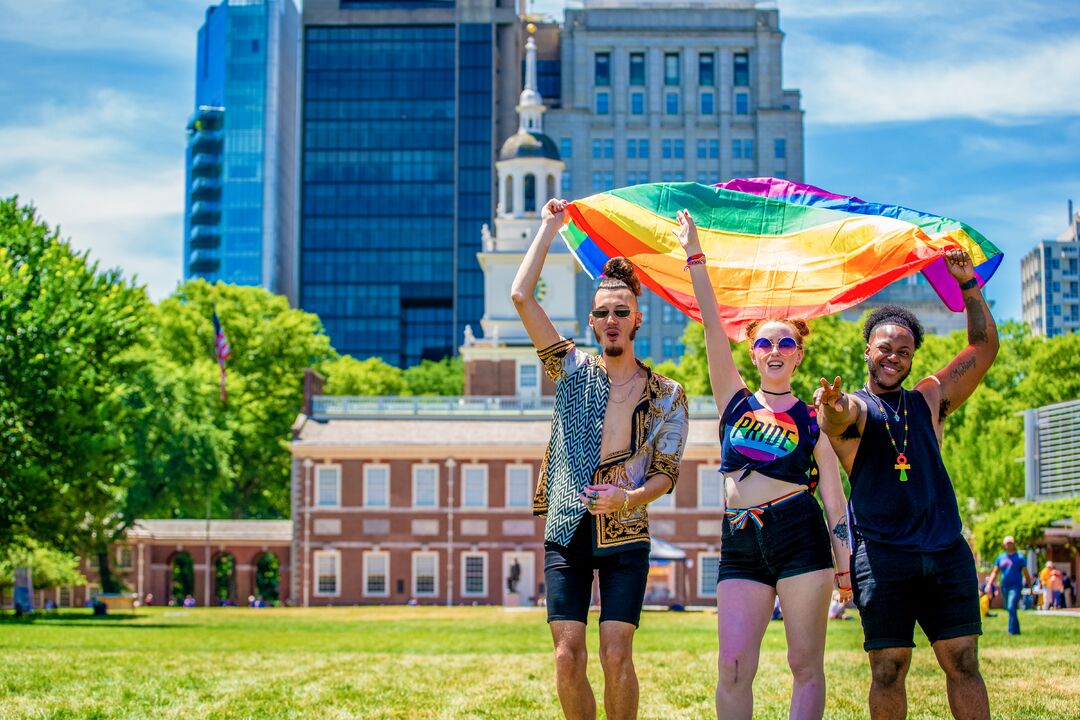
{"x":792,"y":540}
{"x":568,"y":573}
{"x":895,"y":588}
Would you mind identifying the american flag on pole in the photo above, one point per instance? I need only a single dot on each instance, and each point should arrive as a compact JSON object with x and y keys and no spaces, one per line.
{"x":221,"y":349}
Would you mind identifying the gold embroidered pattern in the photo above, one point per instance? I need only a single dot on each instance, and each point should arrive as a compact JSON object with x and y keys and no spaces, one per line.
{"x":552,"y":358}
{"x":540,"y":504}
{"x":620,"y":528}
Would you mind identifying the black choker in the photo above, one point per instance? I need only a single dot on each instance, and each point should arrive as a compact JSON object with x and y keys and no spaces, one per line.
{"x":768,"y":392}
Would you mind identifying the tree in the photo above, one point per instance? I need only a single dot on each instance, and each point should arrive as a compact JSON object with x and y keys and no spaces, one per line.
{"x":241,"y":453}
{"x":346,"y":375}
{"x":65,"y":329}
{"x":444,"y":377}
{"x":49,"y":567}
{"x":1026,"y":522}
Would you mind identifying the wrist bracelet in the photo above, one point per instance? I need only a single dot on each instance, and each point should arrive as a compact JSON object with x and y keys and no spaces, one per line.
{"x":972,"y":283}
{"x":625,"y":500}
{"x":698,"y":259}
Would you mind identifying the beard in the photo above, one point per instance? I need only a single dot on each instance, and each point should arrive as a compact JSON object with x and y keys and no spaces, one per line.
{"x":870,"y":367}
{"x":613,"y":350}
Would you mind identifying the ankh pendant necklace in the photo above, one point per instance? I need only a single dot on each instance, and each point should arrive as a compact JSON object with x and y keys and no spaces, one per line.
{"x":901,"y":458}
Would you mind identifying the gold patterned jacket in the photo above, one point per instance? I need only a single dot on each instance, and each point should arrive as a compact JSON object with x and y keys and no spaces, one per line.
{"x":572,"y":461}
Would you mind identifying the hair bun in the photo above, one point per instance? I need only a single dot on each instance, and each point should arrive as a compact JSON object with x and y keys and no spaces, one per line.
{"x":622,"y":270}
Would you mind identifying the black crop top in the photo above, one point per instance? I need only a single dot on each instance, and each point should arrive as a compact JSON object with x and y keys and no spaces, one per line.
{"x":779,"y":445}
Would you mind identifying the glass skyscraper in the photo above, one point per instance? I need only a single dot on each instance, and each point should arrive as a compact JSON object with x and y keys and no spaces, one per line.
{"x":400,"y":119}
{"x":241,"y":153}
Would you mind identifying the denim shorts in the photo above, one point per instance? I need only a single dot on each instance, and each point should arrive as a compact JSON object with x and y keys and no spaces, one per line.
{"x":568,"y":574}
{"x":791,"y":540}
{"x":895,"y":588}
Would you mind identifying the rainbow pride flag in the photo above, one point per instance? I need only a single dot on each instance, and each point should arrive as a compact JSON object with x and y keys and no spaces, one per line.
{"x":775,"y":248}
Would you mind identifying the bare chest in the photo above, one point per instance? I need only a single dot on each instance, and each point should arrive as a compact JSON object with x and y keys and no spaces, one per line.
{"x":619,"y":419}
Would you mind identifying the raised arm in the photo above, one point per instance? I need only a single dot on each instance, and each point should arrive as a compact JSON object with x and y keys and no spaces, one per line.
{"x":954,"y":384}
{"x":537,"y":323}
{"x":832,"y":496}
{"x":723,"y":375}
{"x":842,"y":417}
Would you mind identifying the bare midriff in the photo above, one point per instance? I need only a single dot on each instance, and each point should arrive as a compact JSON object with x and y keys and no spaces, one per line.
{"x":755,"y":489}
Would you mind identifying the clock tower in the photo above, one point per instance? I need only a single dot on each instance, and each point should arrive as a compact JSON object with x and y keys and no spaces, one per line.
{"x":529,"y":172}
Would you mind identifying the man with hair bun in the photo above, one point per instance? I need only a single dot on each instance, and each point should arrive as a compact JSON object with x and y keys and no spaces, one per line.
{"x":911,"y":562}
{"x":617,"y":436}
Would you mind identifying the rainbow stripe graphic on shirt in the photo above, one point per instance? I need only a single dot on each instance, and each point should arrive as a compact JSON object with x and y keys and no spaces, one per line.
{"x":764,"y":435}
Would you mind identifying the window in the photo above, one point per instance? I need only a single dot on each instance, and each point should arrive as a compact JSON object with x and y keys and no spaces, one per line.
{"x":597,"y":148}
{"x":708,"y":572}
{"x":707,"y":103}
{"x":376,"y":573}
{"x":671,"y":68}
{"x":666,"y":147}
{"x":668,"y":347}
{"x":474,"y":575}
{"x":123,"y":557}
{"x":741,"y":70}
{"x":710,"y":487}
{"x":474,"y":486}
{"x":742,"y":103}
{"x":667,"y":313}
{"x":528,"y":376}
{"x":644,"y":347}
{"x":565,"y":184}
{"x":519,"y":486}
{"x":609,"y":180}
{"x":597,"y":182}
{"x":714,"y":149}
{"x":327,"y":565}
{"x":609,"y":147}
{"x":601,"y":103}
{"x":637,"y":68}
{"x":425,"y":482}
{"x":679,"y":148}
{"x":637,"y":103}
{"x":706,"y":70}
{"x":671,"y":103}
{"x":425,"y":574}
{"x":631,"y":148}
{"x":376,"y":486}
{"x":680,"y":175}
{"x":700,"y":149}
{"x":530,"y":193}
{"x":566,"y":148}
{"x":643,"y":148}
{"x":602,"y":69}
{"x":780,"y":148}
{"x":780,"y":174}
{"x":736,"y":148}
{"x":748,"y":148}
{"x":328,"y":485}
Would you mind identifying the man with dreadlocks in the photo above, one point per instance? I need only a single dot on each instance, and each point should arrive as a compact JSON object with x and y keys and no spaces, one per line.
{"x":617,"y":436}
{"x":911,"y":562}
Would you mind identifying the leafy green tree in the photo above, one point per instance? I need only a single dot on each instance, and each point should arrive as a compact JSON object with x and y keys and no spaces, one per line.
{"x":49,"y":567}
{"x":346,"y":375}
{"x":66,"y":328}
{"x":1025,"y":522}
{"x":444,"y":377}
{"x":243,"y":459}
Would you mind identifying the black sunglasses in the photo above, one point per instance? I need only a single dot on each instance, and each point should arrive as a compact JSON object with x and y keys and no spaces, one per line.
{"x":601,"y":313}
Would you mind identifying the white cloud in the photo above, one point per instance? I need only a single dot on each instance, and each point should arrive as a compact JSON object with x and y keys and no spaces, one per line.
{"x":853,"y":84}
{"x":160,"y":29}
{"x":111,"y":175}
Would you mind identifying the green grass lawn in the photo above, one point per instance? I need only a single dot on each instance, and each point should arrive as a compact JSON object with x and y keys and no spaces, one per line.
{"x":399,"y":662}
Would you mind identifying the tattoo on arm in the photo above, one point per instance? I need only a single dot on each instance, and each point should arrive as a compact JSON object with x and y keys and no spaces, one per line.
{"x":976,"y":317}
{"x":841,"y":533}
{"x":961,"y":369}
{"x":943,"y":408}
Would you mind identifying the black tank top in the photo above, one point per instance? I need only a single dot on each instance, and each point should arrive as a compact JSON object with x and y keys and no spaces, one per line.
{"x":779,"y":445}
{"x":919,"y":513}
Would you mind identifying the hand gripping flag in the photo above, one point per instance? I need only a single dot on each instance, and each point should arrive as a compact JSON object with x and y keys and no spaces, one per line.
{"x":221,"y":350}
{"x":775,"y":248}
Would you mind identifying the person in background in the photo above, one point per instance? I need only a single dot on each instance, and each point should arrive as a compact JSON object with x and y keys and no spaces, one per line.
{"x":1012,"y":568}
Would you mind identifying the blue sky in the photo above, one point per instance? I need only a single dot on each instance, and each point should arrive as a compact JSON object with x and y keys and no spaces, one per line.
{"x":965,"y":108}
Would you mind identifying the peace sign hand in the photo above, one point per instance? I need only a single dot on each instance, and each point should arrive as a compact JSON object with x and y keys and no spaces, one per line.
{"x":830,"y":396}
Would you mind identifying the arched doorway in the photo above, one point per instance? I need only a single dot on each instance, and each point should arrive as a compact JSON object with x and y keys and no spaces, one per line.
{"x":268,"y":578}
{"x":225,"y":579}
{"x":182,"y":577}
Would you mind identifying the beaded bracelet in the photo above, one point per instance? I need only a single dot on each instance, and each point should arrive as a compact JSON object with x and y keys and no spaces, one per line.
{"x":695,"y":259}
